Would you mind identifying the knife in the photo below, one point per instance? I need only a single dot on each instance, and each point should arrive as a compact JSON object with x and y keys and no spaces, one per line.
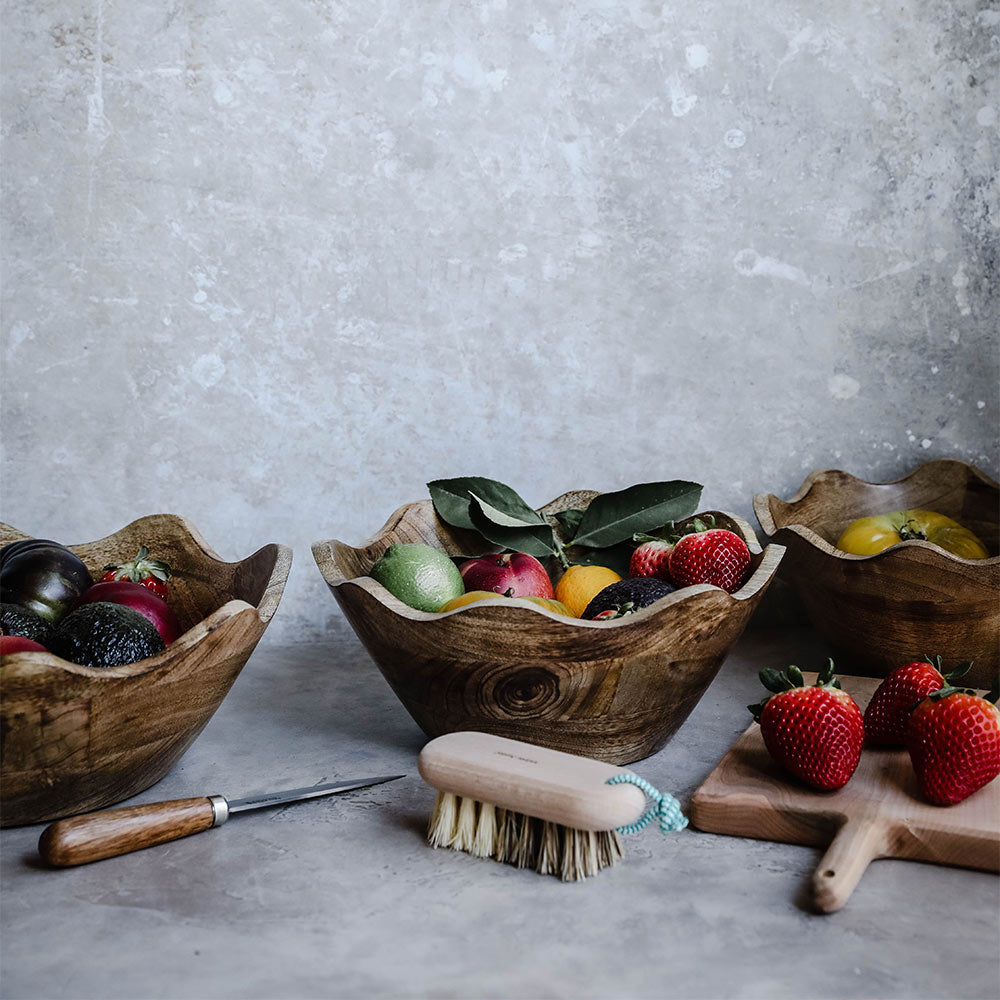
{"x":95,"y":836}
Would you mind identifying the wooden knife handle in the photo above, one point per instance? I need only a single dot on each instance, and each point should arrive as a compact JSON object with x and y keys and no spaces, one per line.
{"x":80,"y":839}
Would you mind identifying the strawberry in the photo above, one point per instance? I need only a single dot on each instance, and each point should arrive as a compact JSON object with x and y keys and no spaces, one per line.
{"x":953,"y":737}
{"x":888,"y":713}
{"x":610,"y":614}
{"x":616,"y":611}
{"x":814,"y":733}
{"x":151,"y":573}
{"x":651,"y":558}
{"x":709,"y":555}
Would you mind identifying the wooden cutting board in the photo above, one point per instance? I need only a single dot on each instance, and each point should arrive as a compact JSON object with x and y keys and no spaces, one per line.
{"x":877,"y":814}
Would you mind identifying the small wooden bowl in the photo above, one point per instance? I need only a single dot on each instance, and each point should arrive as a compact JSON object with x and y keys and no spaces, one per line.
{"x":908,"y":601}
{"x":616,"y":691}
{"x":78,"y":738}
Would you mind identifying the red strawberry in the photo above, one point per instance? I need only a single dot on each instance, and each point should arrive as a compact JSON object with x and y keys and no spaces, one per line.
{"x":608,"y":615}
{"x":618,"y":611}
{"x":888,"y":713}
{"x":953,"y":738}
{"x":709,"y":555}
{"x":651,"y":558}
{"x":151,"y":573}
{"x":814,"y":733}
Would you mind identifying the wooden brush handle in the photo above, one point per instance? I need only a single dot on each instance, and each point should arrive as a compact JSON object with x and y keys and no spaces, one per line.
{"x":98,"y":835}
{"x":548,"y":784}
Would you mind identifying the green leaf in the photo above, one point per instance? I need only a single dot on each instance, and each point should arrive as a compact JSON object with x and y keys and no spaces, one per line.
{"x":773,"y":680}
{"x":960,"y":671}
{"x":570,"y":520}
{"x":535,"y":539}
{"x":615,"y":517}
{"x":502,"y":518}
{"x":825,"y":676}
{"x":451,"y":498}
{"x":616,"y":557}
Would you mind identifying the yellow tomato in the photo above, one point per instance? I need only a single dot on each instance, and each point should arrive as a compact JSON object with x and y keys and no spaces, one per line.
{"x":868,"y":535}
{"x":472,"y":596}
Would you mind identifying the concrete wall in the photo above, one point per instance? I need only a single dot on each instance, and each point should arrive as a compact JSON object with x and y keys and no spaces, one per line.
{"x":274,"y":266}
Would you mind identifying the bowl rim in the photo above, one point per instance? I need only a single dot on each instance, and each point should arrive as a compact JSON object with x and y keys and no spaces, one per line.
{"x":762,"y":509}
{"x":323,"y":553}
{"x":38,"y":662}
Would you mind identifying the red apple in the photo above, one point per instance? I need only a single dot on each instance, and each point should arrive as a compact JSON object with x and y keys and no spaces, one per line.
{"x":515,"y":574}
{"x":18,"y":644}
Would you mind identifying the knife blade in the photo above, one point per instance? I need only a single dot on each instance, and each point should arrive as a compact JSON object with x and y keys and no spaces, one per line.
{"x":110,"y":832}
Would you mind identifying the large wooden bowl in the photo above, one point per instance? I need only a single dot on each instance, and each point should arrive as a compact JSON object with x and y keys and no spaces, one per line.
{"x":908,"y":601}
{"x":77,"y":738}
{"x":616,"y":691}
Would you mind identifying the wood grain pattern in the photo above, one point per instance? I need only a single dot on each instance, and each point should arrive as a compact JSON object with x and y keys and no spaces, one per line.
{"x":82,"y":839}
{"x":877,"y":814}
{"x":615,"y":691}
{"x":77,"y":738}
{"x":908,"y":601}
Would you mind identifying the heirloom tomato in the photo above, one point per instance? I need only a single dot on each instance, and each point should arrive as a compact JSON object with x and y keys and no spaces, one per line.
{"x":868,"y":535}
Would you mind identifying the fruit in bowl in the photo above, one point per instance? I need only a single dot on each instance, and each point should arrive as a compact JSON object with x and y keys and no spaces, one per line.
{"x":44,"y":585}
{"x":79,"y":737}
{"x":701,"y":553}
{"x":419,"y":575}
{"x":686,"y":553}
{"x":42,"y":576}
{"x":16,"y":620}
{"x":472,"y":596}
{"x":626,"y":597}
{"x":513,"y":573}
{"x":868,"y":535}
{"x":615,"y":690}
{"x":102,"y":634}
{"x":579,"y":585}
{"x":880,"y":609}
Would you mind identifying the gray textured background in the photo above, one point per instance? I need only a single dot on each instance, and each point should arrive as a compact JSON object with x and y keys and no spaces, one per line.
{"x":274,"y":266}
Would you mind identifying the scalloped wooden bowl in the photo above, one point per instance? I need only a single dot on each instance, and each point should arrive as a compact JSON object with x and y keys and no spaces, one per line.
{"x":77,"y":738}
{"x":909,"y":601}
{"x":616,"y":691}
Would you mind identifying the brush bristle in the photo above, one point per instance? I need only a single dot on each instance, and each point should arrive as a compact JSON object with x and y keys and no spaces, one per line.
{"x":480,"y":829}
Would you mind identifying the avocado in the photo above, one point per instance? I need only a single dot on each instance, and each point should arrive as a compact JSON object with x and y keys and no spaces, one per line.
{"x":628,"y":596}
{"x":103,"y":634}
{"x":15,"y":620}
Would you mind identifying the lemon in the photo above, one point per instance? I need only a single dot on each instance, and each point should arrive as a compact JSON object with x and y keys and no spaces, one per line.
{"x":579,"y":585}
{"x":471,"y":596}
{"x":419,"y":575}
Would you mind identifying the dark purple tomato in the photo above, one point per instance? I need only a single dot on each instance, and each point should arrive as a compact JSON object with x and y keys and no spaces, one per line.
{"x":42,"y":575}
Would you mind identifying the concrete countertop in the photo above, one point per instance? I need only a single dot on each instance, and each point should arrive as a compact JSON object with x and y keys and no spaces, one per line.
{"x":341,"y":897}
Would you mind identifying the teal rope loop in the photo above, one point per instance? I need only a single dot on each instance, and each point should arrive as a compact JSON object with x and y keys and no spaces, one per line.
{"x":665,"y":807}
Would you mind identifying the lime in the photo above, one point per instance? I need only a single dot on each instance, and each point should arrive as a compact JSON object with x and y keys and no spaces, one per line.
{"x":419,"y":575}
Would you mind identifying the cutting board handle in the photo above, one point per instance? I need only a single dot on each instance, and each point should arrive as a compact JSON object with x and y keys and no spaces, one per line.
{"x":857,"y":843}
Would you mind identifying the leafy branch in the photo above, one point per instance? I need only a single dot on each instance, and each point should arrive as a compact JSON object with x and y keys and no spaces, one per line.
{"x":602,"y":532}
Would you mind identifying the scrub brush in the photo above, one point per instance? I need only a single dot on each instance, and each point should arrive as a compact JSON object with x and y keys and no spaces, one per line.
{"x":536,"y":808}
